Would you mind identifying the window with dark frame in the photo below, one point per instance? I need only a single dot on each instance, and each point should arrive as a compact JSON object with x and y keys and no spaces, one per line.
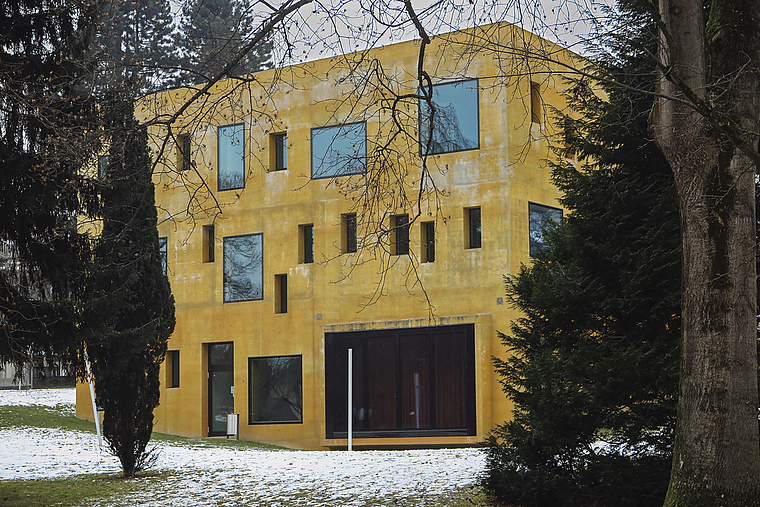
{"x":472,"y":217}
{"x":452,"y":123}
{"x":275,"y":390}
{"x":103,"y":167}
{"x":408,"y":382}
{"x":306,"y":240}
{"x":243,"y":268}
{"x":172,"y":364}
{"x":400,"y":234}
{"x":535,"y":103}
{"x":280,"y":146}
{"x":208,"y":243}
{"x":348,"y":226}
{"x":428,"y":241}
{"x":163,"y":251}
{"x":338,"y":150}
{"x":540,"y":217}
{"x":281,"y":293}
{"x":230,"y":157}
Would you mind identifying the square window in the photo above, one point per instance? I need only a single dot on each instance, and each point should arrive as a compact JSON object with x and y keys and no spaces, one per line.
{"x":535,"y":103}
{"x":400,"y":234}
{"x":164,"y":253}
{"x":472,"y":227}
{"x":306,"y":244}
{"x":340,"y":150}
{"x":231,"y":160}
{"x":539,"y":219}
{"x":452,"y":124}
{"x":280,"y":293}
{"x":172,"y":368}
{"x":428,"y":241}
{"x":208,"y":243}
{"x":184,"y":152}
{"x":243,"y":268}
{"x":348,"y":233}
{"x":275,"y":390}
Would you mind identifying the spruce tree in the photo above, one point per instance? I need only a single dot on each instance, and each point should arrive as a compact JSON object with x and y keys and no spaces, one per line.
{"x":45,"y":138}
{"x":211,"y":32}
{"x":129,"y":312}
{"x":594,"y":367}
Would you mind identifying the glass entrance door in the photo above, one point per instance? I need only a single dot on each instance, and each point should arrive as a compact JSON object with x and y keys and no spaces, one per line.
{"x":221,"y":399}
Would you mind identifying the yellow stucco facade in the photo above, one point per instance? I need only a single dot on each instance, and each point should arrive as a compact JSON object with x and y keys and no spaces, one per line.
{"x":374,"y":299}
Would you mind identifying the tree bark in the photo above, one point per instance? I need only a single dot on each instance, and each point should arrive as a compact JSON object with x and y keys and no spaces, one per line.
{"x":710,"y":76}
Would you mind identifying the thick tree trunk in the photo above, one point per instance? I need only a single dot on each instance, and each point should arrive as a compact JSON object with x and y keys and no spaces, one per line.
{"x":717,"y":455}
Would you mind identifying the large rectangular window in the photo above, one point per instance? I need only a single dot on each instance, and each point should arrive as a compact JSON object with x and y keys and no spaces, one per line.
{"x":406,"y":382}
{"x":339,"y":150}
{"x":539,"y":219}
{"x":275,"y":390}
{"x":452,"y":123}
{"x":243,"y":268}
{"x":400,"y":234}
{"x":231,"y":160}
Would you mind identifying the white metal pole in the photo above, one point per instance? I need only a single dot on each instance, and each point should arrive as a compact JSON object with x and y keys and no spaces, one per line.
{"x":350,"y":398}
{"x":95,"y":414}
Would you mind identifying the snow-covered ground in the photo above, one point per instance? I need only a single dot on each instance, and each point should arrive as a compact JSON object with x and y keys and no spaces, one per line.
{"x":200,"y":474}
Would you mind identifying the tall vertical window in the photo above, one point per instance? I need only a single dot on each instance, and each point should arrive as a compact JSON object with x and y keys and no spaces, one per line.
{"x":400,"y":234}
{"x":172,"y":368}
{"x":406,"y":382}
{"x":164,"y":253}
{"x":339,"y":150}
{"x":184,"y":152}
{"x":535,"y":102}
{"x":348,"y":233}
{"x":208,"y":243}
{"x":230,"y":159}
{"x":221,"y":382}
{"x":102,"y":167}
{"x":449,"y":122}
{"x":306,"y":244}
{"x":281,"y":293}
{"x":472,"y":227}
{"x":428,"y":241}
{"x":279,"y":149}
{"x":275,"y":390}
{"x":539,"y":219}
{"x":243,"y":268}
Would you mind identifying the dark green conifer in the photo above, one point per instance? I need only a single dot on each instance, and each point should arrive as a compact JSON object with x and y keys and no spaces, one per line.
{"x":129,"y":307}
{"x":594,"y":367}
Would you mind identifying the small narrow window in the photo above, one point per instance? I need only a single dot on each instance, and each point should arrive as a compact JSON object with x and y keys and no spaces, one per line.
{"x":279,"y":149}
{"x":428,"y":241}
{"x":164,"y":253}
{"x":280,"y":293}
{"x":570,"y":138}
{"x":535,"y":102}
{"x":472,"y":227}
{"x":172,"y":366}
{"x":184,"y":152}
{"x":208,"y":243}
{"x":348,"y":232}
{"x":102,"y":166}
{"x":400,"y":234}
{"x":306,"y":244}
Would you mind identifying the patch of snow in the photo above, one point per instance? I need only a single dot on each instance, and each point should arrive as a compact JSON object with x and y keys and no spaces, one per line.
{"x":201,"y":474}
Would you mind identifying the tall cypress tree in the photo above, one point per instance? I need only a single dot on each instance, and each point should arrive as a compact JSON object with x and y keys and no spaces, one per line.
{"x":45,"y":136}
{"x":211,"y":33}
{"x":594,"y":367}
{"x":129,"y":309}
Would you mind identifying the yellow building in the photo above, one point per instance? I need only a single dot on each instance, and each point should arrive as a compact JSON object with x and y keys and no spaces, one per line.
{"x":302,"y":220}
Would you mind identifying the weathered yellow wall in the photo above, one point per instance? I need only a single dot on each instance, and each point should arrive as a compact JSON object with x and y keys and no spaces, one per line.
{"x":502,"y":176}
